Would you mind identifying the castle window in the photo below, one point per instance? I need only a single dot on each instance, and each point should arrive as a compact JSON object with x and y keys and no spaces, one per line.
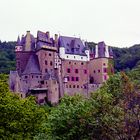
{"x":46,"y":82}
{"x":46,"y":70}
{"x":105,"y":70}
{"x":85,"y":87}
{"x":78,"y":45}
{"x":77,"y":78}
{"x":68,"y":44}
{"x":51,"y":63}
{"x":72,"y":78}
{"x":82,"y":63}
{"x":50,"y":54}
{"x":81,"y":57}
{"x":76,"y":70}
{"x":73,"y":86}
{"x":94,"y":71}
{"x":69,"y":86}
{"x":42,"y":82}
{"x":85,"y":71}
{"x":105,"y":77}
{"x":46,"y":62}
{"x":69,"y":62}
{"x":104,"y":64}
{"x":36,"y":76}
{"x":66,"y":86}
{"x":74,"y":56}
{"x":75,"y":63}
{"x":32,"y":76}
{"x":68,"y":70}
{"x":98,"y":71}
{"x":67,"y":56}
{"x":26,"y":77}
{"x":77,"y":86}
{"x":40,"y":76}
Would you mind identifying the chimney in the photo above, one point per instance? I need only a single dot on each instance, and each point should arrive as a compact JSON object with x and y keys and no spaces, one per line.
{"x":56,"y":37}
{"x":28,"y":32}
{"x":48,"y":35}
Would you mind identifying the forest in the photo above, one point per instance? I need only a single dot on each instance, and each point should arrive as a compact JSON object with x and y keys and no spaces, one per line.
{"x":111,"y":113}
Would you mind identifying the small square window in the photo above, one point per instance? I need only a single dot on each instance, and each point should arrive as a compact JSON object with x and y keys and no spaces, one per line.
{"x":77,"y":78}
{"x":85,"y":71}
{"x":99,"y":71}
{"x":46,"y":70}
{"x":50,"y":54}
{"x":105,"y":77}
{"x":76,"y":70}
{"x":94,"y":71}
{"x":68,"y":70}
{"x":68,"y":78}
{"x":26,"y":77}
{"x":105,"y":70}
{"x":82,"y":63}
{"x":69,"y":86}
{"x":51,"y":63}
{"x":72,"y":78}
{"x":77,"y":86}
{"x":73,"y":86}
{"x":104,"y":64}
{"x":46,"y":62}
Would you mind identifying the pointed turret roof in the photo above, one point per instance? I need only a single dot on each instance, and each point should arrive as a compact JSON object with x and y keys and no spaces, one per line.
{"x":32,"y":66}
{"x":18,"y":41}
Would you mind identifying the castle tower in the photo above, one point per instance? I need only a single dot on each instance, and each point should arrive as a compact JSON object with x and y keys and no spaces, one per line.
{"x":102,"y":65}
{"x":24,"y":48}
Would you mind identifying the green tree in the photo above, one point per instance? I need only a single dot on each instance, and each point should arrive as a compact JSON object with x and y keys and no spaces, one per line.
{"x":19,"y":118}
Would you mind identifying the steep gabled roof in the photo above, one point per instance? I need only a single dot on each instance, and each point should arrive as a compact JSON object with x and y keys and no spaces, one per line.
{"x":32,"y":66}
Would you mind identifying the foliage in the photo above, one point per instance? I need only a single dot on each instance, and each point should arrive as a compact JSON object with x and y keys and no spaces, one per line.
{"x":19,"y":118}
{"x":7,"y":56}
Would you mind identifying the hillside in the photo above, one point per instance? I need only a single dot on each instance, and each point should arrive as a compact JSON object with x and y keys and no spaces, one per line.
{"x":124,"y":58}
{"x":7,"y":56}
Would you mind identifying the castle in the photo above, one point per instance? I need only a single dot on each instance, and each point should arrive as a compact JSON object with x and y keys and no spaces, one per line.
{"x":49,"y":67}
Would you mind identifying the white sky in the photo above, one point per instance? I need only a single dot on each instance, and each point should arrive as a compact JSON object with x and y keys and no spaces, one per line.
{"x":117,"y":22}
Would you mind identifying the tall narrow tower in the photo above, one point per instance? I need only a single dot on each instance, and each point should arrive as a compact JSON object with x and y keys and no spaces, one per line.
{"x":102,"y":64}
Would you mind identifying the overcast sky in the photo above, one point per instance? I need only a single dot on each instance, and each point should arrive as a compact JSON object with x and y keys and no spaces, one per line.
{"x":117,"y":22}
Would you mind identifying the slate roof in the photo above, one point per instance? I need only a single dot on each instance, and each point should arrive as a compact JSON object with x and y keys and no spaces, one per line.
{"x":23,"y":41}
{"x":101,"y":49}
{"x":32,"y":66}
{"x":72,"y":45}
{"x":18,"y":41}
